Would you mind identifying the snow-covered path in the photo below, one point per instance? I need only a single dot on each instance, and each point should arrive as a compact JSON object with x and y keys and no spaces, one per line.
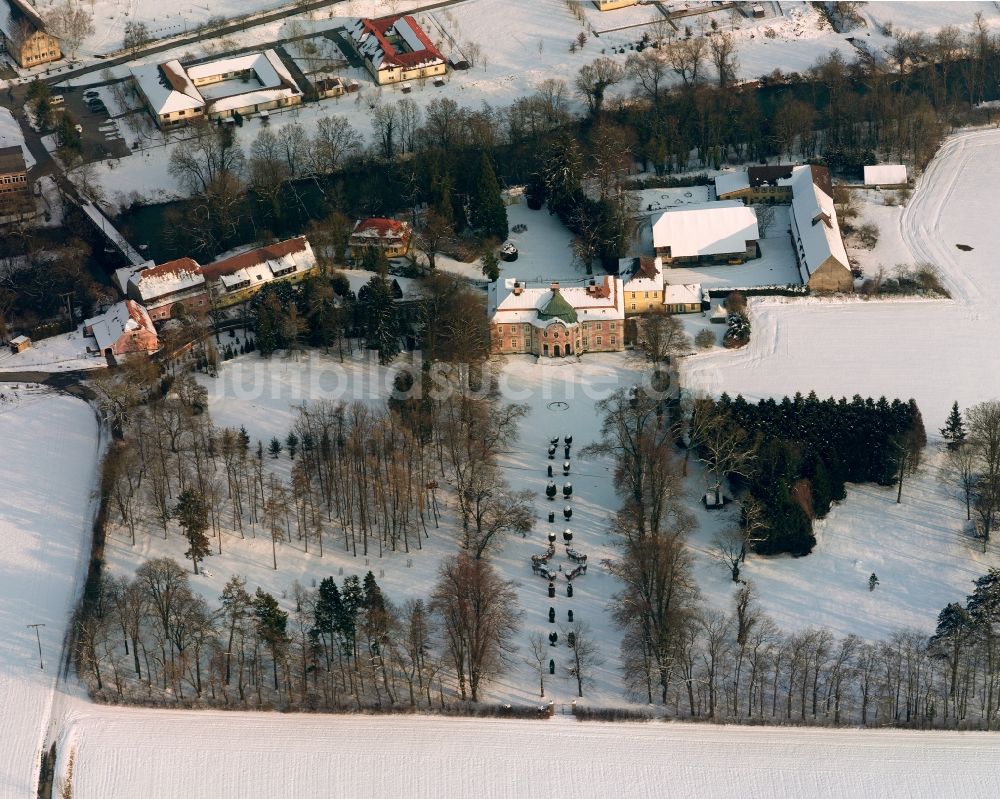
{"x":49,"y":447}
{"x":195,"y":754}
{"x":934,"y":351}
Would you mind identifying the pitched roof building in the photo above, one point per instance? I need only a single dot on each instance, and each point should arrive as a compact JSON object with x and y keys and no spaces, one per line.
{"x":396,"y":48}
{"x":239,"y":277}
{"x":243,"y":84}
{"x":715,"y":232}
{"x":390,"y":235}
{"x":556,"y":321}
{"x":24,"y":35}
{"x":886,"y":175}
{"x":164,"y":289}
{"x":819,"y":247}
{"x":125,"y":328}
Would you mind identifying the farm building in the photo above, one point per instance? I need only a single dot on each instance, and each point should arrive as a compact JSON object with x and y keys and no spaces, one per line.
{"x":819,"y":247}
{"x":124,"y":329}
{"x":553,"y":322}
{"x":707,"y":233}
{"x":23,"y":34}
{"x":766,"y":184}
{"x":886,"y":176}
{"x":395,"y":49}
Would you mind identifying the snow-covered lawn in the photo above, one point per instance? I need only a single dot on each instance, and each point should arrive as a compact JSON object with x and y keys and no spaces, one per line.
{"x":61,"y":353}
{"x":920,"y":550}
{"x":50,"y":454}
{"x":197,"y":755}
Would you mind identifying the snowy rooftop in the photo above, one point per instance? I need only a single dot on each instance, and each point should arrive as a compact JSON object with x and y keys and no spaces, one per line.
{"x":393,"y":41}
{"x":170,"y":86}
{"x":706,"y":229}
{"x":642,"y":273}
{"x":263,"y":264}
{"x":167,"y":279}
{"x":885,"y":174}
{"x":167,"y":87}
{"x":682,"y":293}
{"x":814,"y":219}
{"x":120,"y":318}
{"x":731,"y":181}
{"x":509,"y":301}
{"x":11,"y":11}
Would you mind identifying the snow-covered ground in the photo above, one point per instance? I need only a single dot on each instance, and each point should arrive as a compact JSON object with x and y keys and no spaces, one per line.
{"x":128,"y":752}
{"x":56,"y":354}
{"x":50,"y":456}
{"x":936,"y":351}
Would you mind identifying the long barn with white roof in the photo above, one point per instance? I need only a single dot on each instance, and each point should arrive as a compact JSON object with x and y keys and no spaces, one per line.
{"x":716,"y":232}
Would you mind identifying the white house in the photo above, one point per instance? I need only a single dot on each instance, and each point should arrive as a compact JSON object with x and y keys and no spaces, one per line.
{"x":715,"y":232}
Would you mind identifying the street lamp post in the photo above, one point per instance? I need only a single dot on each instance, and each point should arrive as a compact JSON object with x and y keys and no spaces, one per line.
{"x":38,"y":638}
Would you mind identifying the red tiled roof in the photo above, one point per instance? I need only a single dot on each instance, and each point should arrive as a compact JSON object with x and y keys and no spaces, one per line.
{"x":253,"y":258}
{"x":646,"y":268}
{"x":171,"y":268}
{"x":379,"y":28}
{"x":381,"y":227}
{"x":138,"y":315}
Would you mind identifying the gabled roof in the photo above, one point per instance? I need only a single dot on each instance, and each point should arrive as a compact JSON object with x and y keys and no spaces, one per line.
{"x":122,"y":317}
{"x":167,"y":87}
{"x":167,"y":279}
{"x":394,"y":41}
{"x":702,"y":229}
{"x":295,"y":252}
{"x":814,"y":223}
{"x":641,"y":274}
{"x":380,"y":228}
{"x":730,"y":182}
{"x":12,"y":11}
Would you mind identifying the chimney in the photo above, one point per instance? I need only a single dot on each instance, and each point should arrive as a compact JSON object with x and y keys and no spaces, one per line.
{"x":518,"y":288}
{"x":554,"y":286}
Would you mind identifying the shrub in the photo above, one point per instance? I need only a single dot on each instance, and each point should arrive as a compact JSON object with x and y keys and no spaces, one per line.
{"x":705,"y":339}
{"x":868,"y":234}
{"x":889,"y":199}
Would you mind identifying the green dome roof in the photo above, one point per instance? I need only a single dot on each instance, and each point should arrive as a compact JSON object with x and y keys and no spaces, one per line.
{"x":558,"y":308}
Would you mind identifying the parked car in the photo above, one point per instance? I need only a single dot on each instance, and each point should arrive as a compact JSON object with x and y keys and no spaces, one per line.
{"x":91,"y":93}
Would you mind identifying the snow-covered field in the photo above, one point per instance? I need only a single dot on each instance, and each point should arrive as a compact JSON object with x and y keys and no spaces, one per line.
{"x":56,"y":354}
{"x":127,"y":752}
{"x":50,"y":453}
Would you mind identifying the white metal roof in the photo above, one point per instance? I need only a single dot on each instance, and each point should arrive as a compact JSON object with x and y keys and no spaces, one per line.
{"x":163,"y":97}
{"x":885,"y":175}
{"x":700,"y":229}
{"x":108,"y":327}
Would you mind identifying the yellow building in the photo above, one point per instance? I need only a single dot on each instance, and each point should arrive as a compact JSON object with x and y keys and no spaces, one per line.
{"x":609,"y":5}
{"x":643,"y":284}
{"x":389,"y":235}
{"x":237,"y":279}
{"x":24,"y":35}
{"x":395,"y":49}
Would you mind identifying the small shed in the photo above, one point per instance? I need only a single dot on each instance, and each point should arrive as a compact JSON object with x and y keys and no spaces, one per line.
{"x":758,"y":11}
{"x":885,"y":175}
{"x":19,"y":344}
